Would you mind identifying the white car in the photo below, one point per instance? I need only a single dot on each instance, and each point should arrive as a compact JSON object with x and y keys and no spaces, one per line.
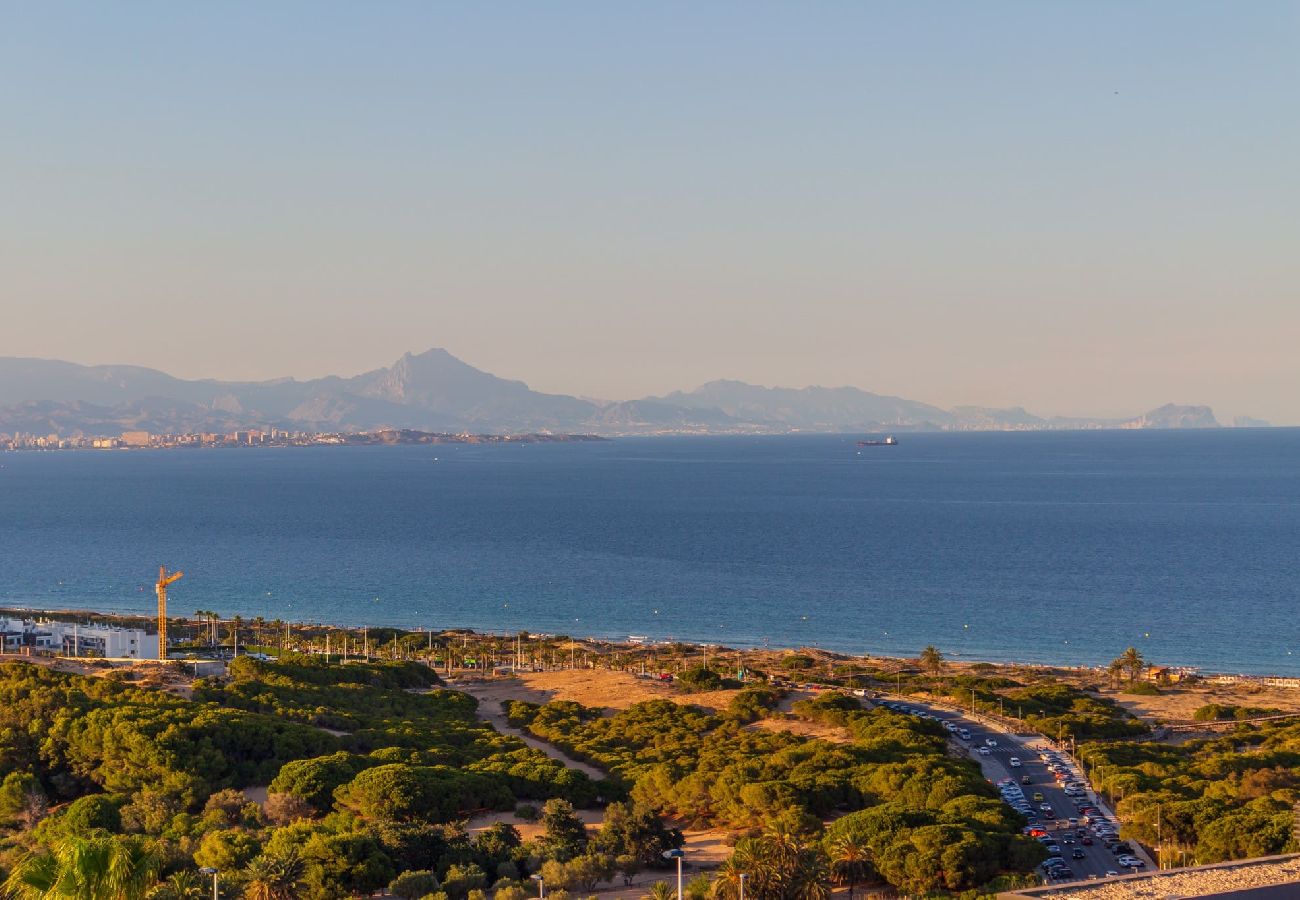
{"x":983,"y":751}
{"x":990,"y":742}
{"x":1014,"y":763}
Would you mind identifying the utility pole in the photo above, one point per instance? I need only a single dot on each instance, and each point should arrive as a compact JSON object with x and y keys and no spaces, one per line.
{"x":1160,"y":843}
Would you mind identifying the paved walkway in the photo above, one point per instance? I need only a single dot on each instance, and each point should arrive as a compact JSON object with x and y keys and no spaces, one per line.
{"x":491,"y":710}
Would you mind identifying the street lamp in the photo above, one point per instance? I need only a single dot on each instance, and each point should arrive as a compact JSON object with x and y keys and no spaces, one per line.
{"x":541,"y":886}
{"x":208,"y":870}
{"x":743,"y":876}
{"x":678,"y":855}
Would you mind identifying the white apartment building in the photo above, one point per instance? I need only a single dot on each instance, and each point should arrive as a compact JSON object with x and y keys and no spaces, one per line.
{"x":71,"y":639}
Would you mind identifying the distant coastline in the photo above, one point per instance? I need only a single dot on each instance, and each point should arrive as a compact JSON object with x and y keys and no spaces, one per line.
{"x":435,"y":391}
{"x":146,"y":623}
{"x":143,"y":440}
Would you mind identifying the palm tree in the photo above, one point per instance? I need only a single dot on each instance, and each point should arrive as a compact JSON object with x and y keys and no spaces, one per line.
{"x":274,"y":877}
{"x":35,"y":877}
{"x":850,"y":860}
{"x":661,"y":890}
{"x":1115,"y":670}
{"x":1133,"y":662}
{"x":105,"y":867}
{"x":932,"y":660}
{"x":183,"y":885}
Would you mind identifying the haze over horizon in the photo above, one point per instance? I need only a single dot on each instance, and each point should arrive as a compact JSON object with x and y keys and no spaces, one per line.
{"x":1088,"y":210}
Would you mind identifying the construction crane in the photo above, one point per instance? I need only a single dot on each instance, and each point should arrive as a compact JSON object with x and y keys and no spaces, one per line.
{"x":164,"y":579}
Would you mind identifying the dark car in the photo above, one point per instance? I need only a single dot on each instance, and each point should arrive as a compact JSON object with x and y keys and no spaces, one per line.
{"x":1086,"y":841}
{"x":1123,"y":848}
{"x":1025,"y":779}
{"x":1076,"y":853}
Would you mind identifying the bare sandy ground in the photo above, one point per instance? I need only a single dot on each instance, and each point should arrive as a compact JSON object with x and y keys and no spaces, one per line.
{"x":145,"y":673}
{"x":1177,"y":703}
{"x":611,"y":691}
{"x":598,"y":688}
{"x":807,"y":729}
{"x":529,"y":830}
{"x":706,"y":848}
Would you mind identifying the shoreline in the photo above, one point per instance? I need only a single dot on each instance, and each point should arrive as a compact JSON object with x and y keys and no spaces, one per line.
{"x":623,"y":644}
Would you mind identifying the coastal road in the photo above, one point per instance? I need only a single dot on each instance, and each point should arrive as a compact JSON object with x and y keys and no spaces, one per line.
{"x":1097,"y":860}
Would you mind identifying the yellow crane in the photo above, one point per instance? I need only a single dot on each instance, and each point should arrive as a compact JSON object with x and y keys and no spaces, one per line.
{"x":164,"y":579}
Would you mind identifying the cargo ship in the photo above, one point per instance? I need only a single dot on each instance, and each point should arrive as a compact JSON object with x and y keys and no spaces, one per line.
{"x":887,"y":442}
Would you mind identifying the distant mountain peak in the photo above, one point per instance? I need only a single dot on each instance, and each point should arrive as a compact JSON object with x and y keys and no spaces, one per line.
{"x":434,"y":390}
{"x":1172,"y":415}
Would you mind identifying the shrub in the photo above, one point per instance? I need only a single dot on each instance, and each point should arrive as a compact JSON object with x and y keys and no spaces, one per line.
{"x":413,"y":885}
{"x":700,"y":679}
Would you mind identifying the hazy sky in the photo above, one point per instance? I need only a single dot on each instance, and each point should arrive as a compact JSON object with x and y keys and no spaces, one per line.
{"x":1088,"y":208}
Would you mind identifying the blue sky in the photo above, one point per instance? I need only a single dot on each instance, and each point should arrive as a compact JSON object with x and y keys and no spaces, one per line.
{"x":1082,"y":208}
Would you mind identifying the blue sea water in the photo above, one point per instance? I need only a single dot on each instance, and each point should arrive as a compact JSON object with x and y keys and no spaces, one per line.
{"x":1044,"y":547}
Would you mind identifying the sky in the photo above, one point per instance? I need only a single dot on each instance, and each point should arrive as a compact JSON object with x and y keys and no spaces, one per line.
{"x":1082,"y":208}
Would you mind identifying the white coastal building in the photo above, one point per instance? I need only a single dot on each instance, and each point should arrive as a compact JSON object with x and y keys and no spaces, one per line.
{"x":74,"y":639}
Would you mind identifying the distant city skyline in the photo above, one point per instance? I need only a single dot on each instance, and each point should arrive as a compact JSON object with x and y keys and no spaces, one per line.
{"x":1079,"y":209}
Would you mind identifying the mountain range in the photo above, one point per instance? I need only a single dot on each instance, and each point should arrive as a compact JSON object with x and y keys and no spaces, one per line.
{"x":435,"y":391}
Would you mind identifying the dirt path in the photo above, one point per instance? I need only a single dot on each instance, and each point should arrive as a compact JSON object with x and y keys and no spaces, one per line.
{"x":491,"y":711}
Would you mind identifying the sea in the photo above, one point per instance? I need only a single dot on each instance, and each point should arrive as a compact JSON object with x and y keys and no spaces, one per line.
{"x":1056,"y":548}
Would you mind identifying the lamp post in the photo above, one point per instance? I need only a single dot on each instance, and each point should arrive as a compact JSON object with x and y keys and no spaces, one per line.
{"x":678,"y":855}
{"x":208,"y":870}
{"x":541,"y":886}
{"x":743,"y":876}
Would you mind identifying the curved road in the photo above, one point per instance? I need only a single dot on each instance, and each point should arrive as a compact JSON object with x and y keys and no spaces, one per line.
{"x":996,"y":766}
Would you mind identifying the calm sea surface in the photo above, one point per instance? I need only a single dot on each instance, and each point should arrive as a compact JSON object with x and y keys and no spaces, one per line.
{"x":1038,"y":547}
